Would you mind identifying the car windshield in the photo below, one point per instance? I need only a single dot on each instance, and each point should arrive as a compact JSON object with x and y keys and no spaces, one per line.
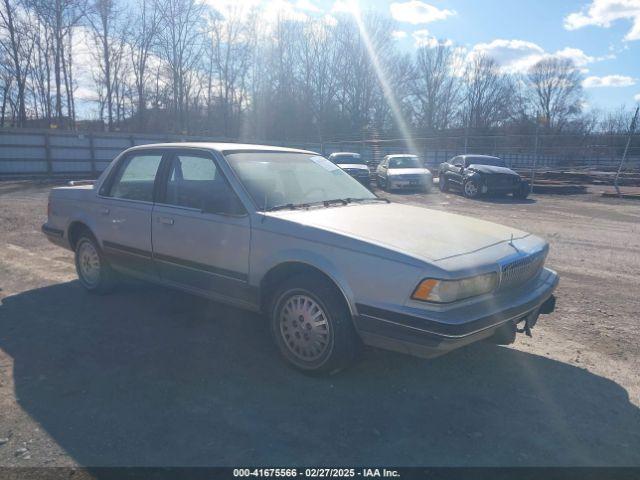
{"x":404,"y":162}
{"x":347,"y":159}
{"x":492,"y":161}
{"x":282,"y":179}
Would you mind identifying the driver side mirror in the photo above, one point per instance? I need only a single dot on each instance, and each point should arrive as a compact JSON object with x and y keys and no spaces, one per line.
{"x":461,"y":168}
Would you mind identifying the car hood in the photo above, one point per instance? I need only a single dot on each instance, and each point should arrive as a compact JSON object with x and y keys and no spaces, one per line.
{"x":408,"y":171}
{"x":422,"y":233}
{"x":491,"y":169}
{"x":358,"y":166}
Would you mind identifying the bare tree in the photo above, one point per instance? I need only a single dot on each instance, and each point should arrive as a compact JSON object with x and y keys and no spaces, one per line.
{"x":487,"y":98}
{"x":181,"y":43}
{"x":16,"y":42}
{"x":557,"y":95}
{"x":103,"y":17}
{"x":142,"y":38}
{"x":435,"y":87}
{"x":230,"y":50}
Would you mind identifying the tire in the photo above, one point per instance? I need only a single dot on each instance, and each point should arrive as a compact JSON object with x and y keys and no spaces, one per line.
{"x":471,"y":189}
{"x":94,"y":272}
{"x":522,"y":192}
{"x":443,"y":184}
{"x":312,"y":326}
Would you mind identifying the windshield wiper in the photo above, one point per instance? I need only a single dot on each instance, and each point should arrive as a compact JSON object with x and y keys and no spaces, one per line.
{"x":325,"y":203}
{"x":286,"y":206}
{"x":361,"y":200}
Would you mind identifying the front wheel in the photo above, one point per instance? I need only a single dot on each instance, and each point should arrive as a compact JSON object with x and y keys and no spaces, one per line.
{"x":94,"y":272}
{"x":471,"y":189}
{"x":312,"y":325}
{"x":443,"y":184}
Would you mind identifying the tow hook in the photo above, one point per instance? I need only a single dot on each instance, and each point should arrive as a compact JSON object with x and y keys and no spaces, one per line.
{"x":526,"y":329}
{"x":529,"y":322}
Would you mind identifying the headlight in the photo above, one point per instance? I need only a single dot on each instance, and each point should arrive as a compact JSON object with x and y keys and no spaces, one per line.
{"x":447,"y":291}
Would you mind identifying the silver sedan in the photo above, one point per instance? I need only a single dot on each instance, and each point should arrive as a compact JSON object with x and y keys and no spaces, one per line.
{"x":288,"y":233}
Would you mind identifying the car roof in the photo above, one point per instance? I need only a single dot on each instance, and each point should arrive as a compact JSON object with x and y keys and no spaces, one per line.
{"x":353,"y":154}
{"x":404,"y":155}
{"x":472,"y":155}
{"x":223,"y":147}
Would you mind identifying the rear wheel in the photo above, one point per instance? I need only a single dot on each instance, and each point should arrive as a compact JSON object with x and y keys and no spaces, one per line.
{"x":522,"y":191}
{"x":94,"y":272}
{"x":312,"y":325}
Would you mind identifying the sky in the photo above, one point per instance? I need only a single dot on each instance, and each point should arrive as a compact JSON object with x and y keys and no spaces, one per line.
{"x":601,"y":36}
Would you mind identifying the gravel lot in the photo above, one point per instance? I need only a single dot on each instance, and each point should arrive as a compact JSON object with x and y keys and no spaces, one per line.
{"x":147,"y":376}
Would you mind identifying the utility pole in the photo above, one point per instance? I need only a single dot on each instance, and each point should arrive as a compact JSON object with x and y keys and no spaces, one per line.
{"x":535,"y":155}
{"x":626,"y":149}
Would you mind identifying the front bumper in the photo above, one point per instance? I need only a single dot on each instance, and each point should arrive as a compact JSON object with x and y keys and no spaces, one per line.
{"x":363,"y":179}
{"x":427,"y":337}
{"x":410,"y":184}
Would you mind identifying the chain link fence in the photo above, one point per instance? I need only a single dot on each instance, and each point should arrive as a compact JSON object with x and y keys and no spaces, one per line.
{"x":50,"y":153}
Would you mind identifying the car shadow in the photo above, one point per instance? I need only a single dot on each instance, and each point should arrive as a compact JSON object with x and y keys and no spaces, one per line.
{"x":505,"y":199}
{"x":148,"y":376}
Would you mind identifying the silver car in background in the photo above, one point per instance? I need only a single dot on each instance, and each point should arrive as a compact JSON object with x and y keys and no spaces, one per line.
{"x":288,"y":233}
{"x":403,"y":171}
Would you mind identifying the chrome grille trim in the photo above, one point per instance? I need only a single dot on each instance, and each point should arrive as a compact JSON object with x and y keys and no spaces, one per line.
{"x":519,"y":271}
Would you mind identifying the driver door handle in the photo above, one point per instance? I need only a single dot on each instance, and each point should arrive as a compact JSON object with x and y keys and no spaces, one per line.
{"x":166,"y":220}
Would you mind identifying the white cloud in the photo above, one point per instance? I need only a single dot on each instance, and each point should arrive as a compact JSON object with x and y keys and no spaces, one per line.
{"x":269,"y":11}
{"x":398,"y":34}
{"x":416,"y":12}
{"x":424,"y":39}
{"x":343,"y":6}
{"x":281,"y":9}
{"x":517,"y":56}
{"x":308,"y":6}
{"x":608,"y":81}
{"x":637,"y":97}
{"x":603,"y":13}
{"x":579,"y":58}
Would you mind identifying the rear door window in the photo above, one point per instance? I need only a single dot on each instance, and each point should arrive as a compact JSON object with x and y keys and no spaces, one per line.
{"x":195,"y":182}
{"x":135,"y":178}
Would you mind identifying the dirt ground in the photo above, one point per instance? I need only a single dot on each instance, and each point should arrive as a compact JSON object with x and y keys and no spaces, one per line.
{"x":147,"y":376}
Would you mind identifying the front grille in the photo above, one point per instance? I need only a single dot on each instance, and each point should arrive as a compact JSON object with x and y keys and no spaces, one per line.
{"x":411,"y":176}
{"x":357,"y":172}
{"x":501,"y":180}
{"x":520,"y":271}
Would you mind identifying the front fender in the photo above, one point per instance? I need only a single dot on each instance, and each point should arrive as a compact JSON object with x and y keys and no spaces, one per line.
{"x":311,"y":258}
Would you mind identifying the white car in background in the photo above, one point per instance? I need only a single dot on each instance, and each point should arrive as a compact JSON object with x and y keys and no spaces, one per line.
{"x":353,"y":164}
{"x":403,"y":171}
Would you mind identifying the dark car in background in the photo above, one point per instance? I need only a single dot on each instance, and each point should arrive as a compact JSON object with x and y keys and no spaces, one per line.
{"x":475,"y":175}
{"x":353,"y":164}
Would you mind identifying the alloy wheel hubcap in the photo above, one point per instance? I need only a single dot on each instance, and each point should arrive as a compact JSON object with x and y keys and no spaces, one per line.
{"x":89,"y":263}
{"x":470,"y":188}
{"x":304,"y":327}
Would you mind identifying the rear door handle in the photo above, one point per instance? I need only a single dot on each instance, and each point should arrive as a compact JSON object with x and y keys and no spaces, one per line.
{"x":104,"y":211}
{"x":166,"y":220}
